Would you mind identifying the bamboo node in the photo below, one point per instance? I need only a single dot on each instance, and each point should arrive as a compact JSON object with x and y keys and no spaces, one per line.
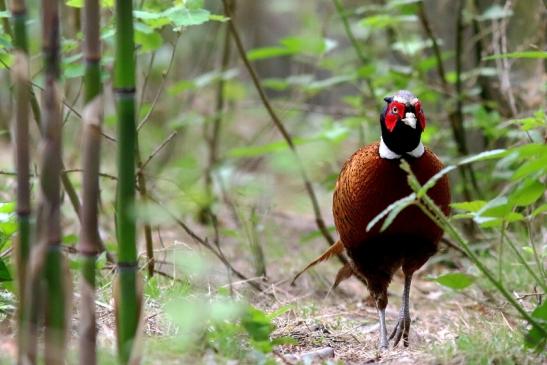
{"x":128,"y":266}
{"x":92,"y":115}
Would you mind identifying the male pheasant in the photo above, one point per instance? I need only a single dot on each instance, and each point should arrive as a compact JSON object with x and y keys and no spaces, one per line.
{"x":370,"y":180}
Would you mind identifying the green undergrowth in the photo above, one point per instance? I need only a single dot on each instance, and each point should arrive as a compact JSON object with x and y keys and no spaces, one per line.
{"x":485,"y":341}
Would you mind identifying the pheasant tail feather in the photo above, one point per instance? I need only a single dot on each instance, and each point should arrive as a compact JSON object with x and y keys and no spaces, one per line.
{"x":335,"y":249}
{"x":344,"y":273}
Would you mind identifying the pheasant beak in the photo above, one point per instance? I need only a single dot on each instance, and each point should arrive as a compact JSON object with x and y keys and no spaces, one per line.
{"x":410,"y":120}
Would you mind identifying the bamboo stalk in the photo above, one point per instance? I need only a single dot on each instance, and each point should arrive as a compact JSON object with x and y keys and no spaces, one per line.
{"x":20,"y":76}
{"x":90,"y":242}
{"x":127,"y":301}
{"x":50,"y":183}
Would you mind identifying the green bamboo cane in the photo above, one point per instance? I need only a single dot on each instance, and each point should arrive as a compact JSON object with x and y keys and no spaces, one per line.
{"x":20,"y":76}
{"x":127,"y":306}
{"x":90,"y":242}
{"x":50,"y":183}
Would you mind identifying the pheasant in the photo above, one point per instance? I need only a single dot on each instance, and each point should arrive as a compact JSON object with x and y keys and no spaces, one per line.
{"x":370,"y":180}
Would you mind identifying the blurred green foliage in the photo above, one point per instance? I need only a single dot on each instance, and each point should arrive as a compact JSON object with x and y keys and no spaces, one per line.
{"x":321,"y":90}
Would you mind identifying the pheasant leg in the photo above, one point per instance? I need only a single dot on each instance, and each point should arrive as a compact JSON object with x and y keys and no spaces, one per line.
{"x":383,"y":330}
{"x":402,"y":328}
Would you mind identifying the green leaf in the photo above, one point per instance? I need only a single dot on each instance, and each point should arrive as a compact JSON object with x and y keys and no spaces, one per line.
{"x":535,"y":338}
{"x":462,"y":216}
{"x":536,"y":121}
{"x":8,"y":227}
{"x":530,"y":150}
{"x":523,"y":54}
{"x":268,"y":52}
{"x":276,"y":84}
{"x":285,"y":340}
{"x":75,"y":3}
{"x":456,"y":281}
{"x":148,"y":15}
{"x":280,"y":311}
{"x":148,"y":41}
{"x":498,"y":207}
{"x":183,"y":17}
{"x":194,"y":4}
{"x":486,"y":155}
{"x":5,"y":41}
{"x":70,"y":239}
{"x":491,"y":222}
{"x":531,"y":167}
{"x":4,"y":272}
{"x":291,"y":46}
{"x":539,"y":210}
{"x":257,"y":324}
{"x":412,"y":46}
{"x":7,"y":207}
{"x":73,"y":70}
{"x":395,"y":212}
{"x":386,"y":20}
{"x":401,"y":202}
{"x":7,"y":60}
{"x":527,"y":193}
{"x":473,"y":206}
{"x":308,"y":45}
{"x":218,"y":18}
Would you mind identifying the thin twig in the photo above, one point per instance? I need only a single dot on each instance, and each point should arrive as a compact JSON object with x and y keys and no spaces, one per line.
{"x":143,"y":191}
{"x":65,"y":119}
{"x":162,"y":86}
{"x":159,"y":148}
{"x":146,"y":78}
{"x":101,"y":174}
{"x":277,"y":122}
{"x":8,"y":173}
{"x":452,"y":245}
{"x":204,"y":243}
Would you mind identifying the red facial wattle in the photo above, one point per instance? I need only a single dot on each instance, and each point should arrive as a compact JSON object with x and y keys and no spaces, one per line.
{"x":420,"y":114}
{"x":395,"y":111}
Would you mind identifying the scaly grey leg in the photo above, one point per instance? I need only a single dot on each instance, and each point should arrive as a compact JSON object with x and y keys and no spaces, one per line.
{"x":403,"y":325}
{"x":383,"y":330}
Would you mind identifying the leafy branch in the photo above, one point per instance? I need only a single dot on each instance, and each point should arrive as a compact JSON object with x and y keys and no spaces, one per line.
{"x":420,"y":198}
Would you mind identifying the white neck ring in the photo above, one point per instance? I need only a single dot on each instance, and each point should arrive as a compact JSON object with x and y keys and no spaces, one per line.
{"x":386,"y":153}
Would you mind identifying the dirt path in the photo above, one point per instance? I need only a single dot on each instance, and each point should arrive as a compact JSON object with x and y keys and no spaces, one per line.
{"x":347,"y":322}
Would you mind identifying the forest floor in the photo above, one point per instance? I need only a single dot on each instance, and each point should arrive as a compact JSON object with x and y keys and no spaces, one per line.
{"x":447,"y":327}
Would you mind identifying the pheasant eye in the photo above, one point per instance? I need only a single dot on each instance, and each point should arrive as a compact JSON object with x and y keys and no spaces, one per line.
{"x":394,"y":110}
